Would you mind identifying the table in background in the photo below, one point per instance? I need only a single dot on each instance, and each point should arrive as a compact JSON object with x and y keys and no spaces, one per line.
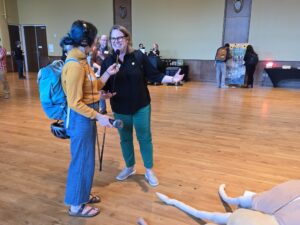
{"x":172,"y":70}
{"x":277,"y":75}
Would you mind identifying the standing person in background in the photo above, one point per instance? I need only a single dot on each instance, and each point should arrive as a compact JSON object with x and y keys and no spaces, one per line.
{"x":155,"y":51}
{"x":222,"y":55}
{"x":3,"y":71}
{"x":99,"y":54}
{"x":82,"y":91}
{"x":19,"y":59}
{"x":130,"y":99}
{"x":251,"y":60}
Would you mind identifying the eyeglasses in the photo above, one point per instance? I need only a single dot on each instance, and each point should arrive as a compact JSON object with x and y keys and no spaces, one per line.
{"x":117,"y":38}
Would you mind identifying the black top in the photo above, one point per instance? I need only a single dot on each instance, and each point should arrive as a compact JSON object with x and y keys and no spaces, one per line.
{"x":251,"y":59}
{"x":130,"y":83}
{"x":18,"y":53}
{"x":154,"y":53}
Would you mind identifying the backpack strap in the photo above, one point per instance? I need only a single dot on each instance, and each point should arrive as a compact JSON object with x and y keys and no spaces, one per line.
{"x":71,"y":59}
{"x":68,"y":118}
{"x":68,"y":110}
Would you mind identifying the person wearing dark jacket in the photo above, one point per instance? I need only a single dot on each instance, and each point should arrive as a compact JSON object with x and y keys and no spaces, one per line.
{"x":251,"y":60}
{"x":19,"y":59}
{"x":130,"y":99}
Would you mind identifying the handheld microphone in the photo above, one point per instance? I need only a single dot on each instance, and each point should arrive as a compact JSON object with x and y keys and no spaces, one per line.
{"x":116,"y":123}
{"x":117,"y":59}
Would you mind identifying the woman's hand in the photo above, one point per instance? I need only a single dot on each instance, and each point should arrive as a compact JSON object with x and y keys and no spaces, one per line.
{"x":103,"y":120}
{"x":113,"y":69}
{"x":107,"y":95}
{"x":178,"y":77}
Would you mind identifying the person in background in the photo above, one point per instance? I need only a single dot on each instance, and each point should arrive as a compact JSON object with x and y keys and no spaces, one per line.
{"x":3,"y":71}
{"x":222,"y":55}
{"x":130,"y":99}
{"x":251,"y":60}
{"x":142,"y":48}
{"x":100,"y":52}
{"x":18,"y":53}
{"x":154,"y":51}
{"x":82,"y":91}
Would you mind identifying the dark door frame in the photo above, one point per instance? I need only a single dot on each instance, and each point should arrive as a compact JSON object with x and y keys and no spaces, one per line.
{"x":22,"y":34}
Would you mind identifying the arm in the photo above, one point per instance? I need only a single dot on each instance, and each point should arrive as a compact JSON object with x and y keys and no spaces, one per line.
{"x":2,"y":53}
{"x":104,"y":66}
{"x":155,"y":76}
{"x":219,"y":218}
{"x":111,"y":70}
{"x":74,"y":91}
{"x":244,"y":201}
{"x":175,"y":79}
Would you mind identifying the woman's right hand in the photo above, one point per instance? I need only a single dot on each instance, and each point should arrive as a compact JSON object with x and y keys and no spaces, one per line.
{"x":103,"y":120}
{"x":113,"y":69}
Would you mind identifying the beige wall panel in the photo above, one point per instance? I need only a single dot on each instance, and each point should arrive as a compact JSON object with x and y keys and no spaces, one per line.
{"x":190,"y":29}
{"x":274,"y":29}
{"x":12,"y":11}
{"x":58,"y":16}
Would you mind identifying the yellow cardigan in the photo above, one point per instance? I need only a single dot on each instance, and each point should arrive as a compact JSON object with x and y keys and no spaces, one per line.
{"x":80,"y":84}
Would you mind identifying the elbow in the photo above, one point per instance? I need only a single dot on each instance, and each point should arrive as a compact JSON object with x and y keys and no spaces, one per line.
{"x":72,"y":105}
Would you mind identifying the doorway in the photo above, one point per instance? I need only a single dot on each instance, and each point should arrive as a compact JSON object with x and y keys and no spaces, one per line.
{"x":35,"y":47}
{"x":14,"y":36}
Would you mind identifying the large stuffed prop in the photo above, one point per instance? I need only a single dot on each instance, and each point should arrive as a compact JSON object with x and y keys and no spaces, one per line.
{"x":277,"y":206}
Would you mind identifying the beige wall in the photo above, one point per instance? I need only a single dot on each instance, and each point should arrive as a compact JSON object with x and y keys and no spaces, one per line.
{"x":189,"y":29}
{"x":11,"y":18}
{"x":274,"y":29}
{"x":58,"y":16}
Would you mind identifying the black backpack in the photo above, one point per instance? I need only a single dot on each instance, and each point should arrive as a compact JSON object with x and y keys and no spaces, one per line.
{"x":252,"y":59}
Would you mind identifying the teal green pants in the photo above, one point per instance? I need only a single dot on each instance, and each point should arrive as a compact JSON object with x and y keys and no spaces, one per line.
{"x":141,"y":123}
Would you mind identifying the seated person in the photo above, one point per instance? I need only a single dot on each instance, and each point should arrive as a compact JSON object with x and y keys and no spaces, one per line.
{"x":154,"y":51}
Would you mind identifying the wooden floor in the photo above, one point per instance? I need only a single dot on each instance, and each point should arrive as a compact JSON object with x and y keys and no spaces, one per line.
{"x":203,"y":136}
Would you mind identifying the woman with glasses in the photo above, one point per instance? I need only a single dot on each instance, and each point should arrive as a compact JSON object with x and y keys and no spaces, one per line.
{"x":130,"y":99}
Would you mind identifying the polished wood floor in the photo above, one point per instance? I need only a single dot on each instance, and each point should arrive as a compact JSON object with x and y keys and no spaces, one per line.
{"x":203,"y":136}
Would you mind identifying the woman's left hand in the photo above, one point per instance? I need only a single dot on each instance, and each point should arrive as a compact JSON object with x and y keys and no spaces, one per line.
{"x":178,"y":77}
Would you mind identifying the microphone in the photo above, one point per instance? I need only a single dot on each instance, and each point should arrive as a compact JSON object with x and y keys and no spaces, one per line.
{"x":116,"y":123}
{"x":117,"y":60}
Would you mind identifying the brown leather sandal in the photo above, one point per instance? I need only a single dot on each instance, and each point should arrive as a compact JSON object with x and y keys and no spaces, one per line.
{"x":94,"y":199}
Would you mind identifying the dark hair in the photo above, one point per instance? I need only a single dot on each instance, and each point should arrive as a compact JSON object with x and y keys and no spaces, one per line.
{"x":82,"y":33}
{"x":250,"y":49}
{"x":227,"y":45}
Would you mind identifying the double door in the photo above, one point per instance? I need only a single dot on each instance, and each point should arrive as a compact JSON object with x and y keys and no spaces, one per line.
{"x":34,"y":42}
